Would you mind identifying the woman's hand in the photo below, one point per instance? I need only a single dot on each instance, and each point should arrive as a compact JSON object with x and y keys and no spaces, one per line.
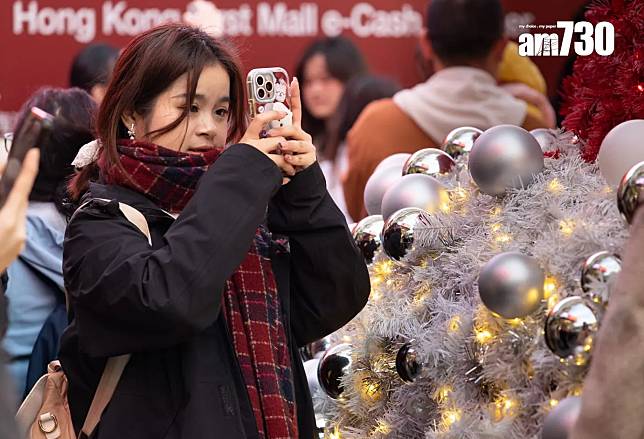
{"x":269,"y":145}
{"x":299,"y":151}
{"x":13,"y":229}
{"x":532,"y":96}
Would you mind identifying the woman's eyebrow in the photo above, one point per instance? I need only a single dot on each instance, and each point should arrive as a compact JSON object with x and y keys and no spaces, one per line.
{"x":201,"y":97}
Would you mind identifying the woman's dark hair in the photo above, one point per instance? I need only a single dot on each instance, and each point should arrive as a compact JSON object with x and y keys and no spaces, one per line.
{"x":147,"y":67}
{"x":358,"y":93}
{"x":93,"y":65}
{"x":343,"y":60}
{"x":463,"y":31}
{"x":74,"y":111}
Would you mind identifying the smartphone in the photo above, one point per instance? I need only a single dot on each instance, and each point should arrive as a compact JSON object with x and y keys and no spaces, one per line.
{"x":36,"y":127}
{"x":268,"y":90}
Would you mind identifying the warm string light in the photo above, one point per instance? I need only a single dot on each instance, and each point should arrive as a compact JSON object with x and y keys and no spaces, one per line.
{"x":454,"y":324}
{"x":382,"y":427}
{"x":555,"y":186}
{"x":450,"y":417}
{"x":370,"y":390}
{"x":500,"y":236}
{"x":504,"y":406}
{"x":333,"y":433}
{"x":442,"y":393}
{"x":483,"y":326}
{"x":566,"y":227}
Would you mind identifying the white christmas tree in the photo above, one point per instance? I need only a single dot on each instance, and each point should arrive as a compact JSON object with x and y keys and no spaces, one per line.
{"x":486,"y":322}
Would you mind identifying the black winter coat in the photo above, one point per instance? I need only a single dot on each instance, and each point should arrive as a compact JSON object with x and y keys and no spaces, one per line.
{"x":162,"y":303}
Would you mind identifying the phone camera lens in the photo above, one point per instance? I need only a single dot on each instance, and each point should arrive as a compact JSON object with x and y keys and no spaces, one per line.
{"x":261,"y":93}
{"x":269,"y":86}
{"x":259,"y":80}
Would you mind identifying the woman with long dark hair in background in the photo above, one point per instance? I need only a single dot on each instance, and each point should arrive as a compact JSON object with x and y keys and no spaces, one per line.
{"x":324,"y":69}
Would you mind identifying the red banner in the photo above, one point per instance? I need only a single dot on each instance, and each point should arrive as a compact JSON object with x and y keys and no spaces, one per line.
{"x":40,"y":37}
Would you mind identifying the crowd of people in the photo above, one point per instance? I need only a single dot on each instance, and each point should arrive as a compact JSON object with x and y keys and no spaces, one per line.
{"x":248,"y":255}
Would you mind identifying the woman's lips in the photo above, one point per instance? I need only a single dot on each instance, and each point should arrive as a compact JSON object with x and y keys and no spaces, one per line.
{"x":200,"y":148}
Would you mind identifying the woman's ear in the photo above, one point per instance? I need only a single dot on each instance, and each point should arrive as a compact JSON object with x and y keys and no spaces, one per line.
{"x":128,"y":120}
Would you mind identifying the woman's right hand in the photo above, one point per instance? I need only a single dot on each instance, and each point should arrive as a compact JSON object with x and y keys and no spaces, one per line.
{"x":269,"y":145}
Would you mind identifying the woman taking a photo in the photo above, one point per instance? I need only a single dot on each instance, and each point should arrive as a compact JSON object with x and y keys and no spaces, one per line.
{"x":249,"y":260}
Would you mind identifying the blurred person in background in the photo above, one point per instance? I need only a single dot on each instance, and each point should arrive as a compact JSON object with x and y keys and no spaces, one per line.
{"x":358,"y":93}
{"x":323,"y":71}
{"x":464,"y":41}
{"x":12,"y":235}
{"x":92,"y":69}
{"x":35,"y":288}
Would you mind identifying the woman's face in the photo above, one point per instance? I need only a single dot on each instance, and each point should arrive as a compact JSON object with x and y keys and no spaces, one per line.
{"x":206,"y":125}
{"x":321,"y":92}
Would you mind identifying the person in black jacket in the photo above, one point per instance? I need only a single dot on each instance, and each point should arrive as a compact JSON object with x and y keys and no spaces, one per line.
{"x":249,"y":257}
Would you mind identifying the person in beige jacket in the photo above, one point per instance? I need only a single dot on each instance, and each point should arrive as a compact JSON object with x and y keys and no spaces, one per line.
{"x":464,"y":41}
{"x":613,"y":394}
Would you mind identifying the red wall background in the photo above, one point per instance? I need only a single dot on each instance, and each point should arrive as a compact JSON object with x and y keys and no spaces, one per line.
{"x":32,"y":60}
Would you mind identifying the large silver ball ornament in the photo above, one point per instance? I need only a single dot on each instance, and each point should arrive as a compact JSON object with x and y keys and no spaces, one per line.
{"x":380,"y":181}
{"x":598,"y":273}
{"x":545,"y":137}
{"x":394,"y":160}
{"x":559,"y":423}
{"x":409,"y":365}
{"x":316,"y":349}
{"x":398,"y":231}
{"x":415,"y":190}
{"x":630,"y":192}
{"x":459,"y":142}
{"x":429,"y":161}
{"x":332,"y":367}
{"x":570,"y":330}
{"x":511,"y":285}
{"x":504,"y":157}
{"x":367,"y":236}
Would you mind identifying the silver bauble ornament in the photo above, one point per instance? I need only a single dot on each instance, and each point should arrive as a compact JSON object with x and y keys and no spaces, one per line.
{"x":415,"y":190}
{"x":570,"y":329}
{"x":598,"y":273}
{"x":367,"y":236}
{"x":630,"y":192}
{"x":408,"y":363}
{"x":558,"y":424}
{"x":394,"y":160}
{"x":316,"y":349}
{"x":504,"y":157}
{"x":380,"y":181}
{"x":429,"y":161}
{"x":511,"y":285}
{"x":398,"y":232}
{"x":459,"y":142}
{"x":545,"y":137}
{"x":333,"y":366}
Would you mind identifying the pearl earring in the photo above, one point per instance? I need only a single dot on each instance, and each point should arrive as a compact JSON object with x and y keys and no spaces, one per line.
{"x":130,"y":132}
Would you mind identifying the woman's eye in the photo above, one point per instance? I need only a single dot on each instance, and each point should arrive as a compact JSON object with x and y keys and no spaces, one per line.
{"x":194,"y":108}
{"x":222,"y":112}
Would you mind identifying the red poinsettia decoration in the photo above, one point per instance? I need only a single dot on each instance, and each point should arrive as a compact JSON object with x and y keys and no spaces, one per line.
{"x":604,"y":91}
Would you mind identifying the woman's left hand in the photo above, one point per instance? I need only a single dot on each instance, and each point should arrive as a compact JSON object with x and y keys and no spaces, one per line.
{"x":299,"y":151}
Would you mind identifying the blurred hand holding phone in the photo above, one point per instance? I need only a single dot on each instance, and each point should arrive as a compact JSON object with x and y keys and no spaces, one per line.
{"x":36,"y":127}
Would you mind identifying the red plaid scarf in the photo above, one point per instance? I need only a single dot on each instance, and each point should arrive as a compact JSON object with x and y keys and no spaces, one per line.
{"x":252,"y":305}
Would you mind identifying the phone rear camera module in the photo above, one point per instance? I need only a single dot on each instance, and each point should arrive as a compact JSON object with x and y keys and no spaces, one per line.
{"x":269,"y":86}
{"x":259,"y":80}
{"x":261,"y":93}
